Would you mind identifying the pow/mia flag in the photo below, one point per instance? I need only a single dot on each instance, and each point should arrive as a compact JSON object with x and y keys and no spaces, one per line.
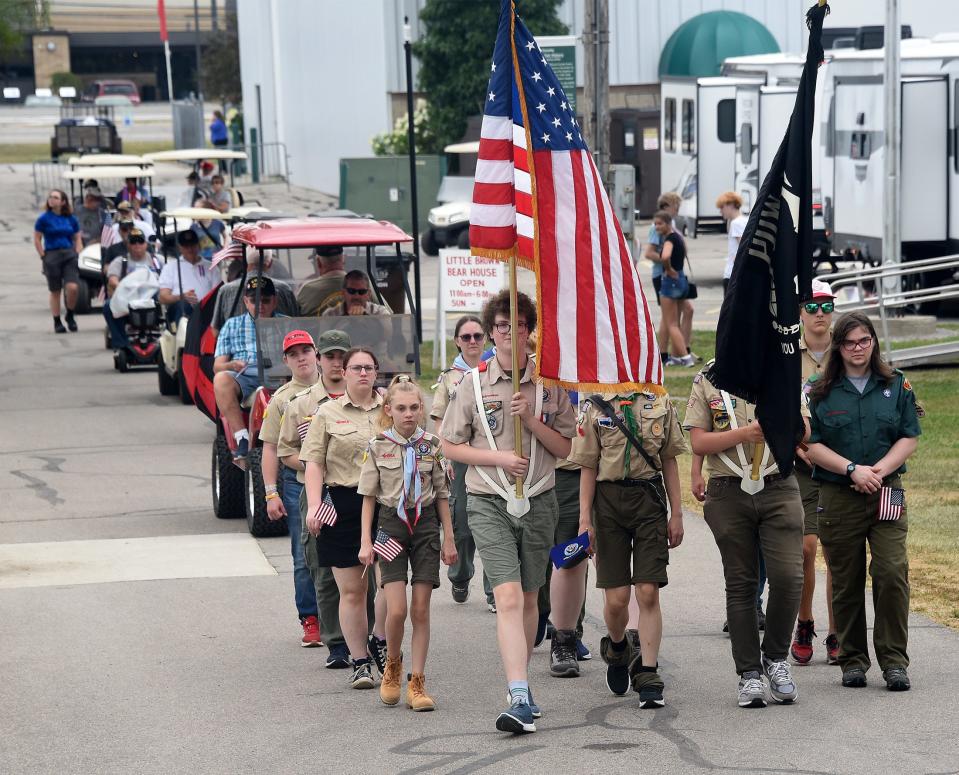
{"x":757,"y":340}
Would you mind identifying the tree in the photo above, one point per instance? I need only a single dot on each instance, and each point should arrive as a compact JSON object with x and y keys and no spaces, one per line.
{"x":16,"y":16}
{"x":221,"y":64}
{"x":396,"y":142}
{"x":455,"y":54}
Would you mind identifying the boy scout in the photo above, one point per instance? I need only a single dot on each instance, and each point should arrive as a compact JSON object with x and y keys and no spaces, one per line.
{"x":299,"y":355}
{"x":295,"y":423}
{"x":623,"y":506}
{"x":744,"y":515}
{"x":512,"y":535}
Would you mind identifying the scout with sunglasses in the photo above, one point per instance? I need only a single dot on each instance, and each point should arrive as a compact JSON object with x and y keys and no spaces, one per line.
{"x":815,"y":314}
{"x":356,"y":297}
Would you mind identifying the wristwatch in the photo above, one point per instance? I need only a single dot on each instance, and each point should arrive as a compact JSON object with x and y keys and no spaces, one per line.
{"x":850,"y":468}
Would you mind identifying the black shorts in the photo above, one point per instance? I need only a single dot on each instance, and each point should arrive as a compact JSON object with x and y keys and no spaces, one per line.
{"x":60,"y":266}
{"x":339,"y":546}
{"x":657,"y":285}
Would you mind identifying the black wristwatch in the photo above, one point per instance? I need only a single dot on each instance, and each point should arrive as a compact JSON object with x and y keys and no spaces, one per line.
{"x":850,"y":468}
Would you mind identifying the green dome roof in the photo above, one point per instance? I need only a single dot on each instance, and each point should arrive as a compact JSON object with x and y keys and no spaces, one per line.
{"x":699,"y":45}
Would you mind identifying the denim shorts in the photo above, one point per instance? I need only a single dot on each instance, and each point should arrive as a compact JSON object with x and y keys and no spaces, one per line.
{"x":674,"y":288}
{"x":248,"y":380}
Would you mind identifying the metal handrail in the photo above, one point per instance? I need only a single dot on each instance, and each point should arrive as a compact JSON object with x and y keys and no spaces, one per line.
{"x":869,"y":299}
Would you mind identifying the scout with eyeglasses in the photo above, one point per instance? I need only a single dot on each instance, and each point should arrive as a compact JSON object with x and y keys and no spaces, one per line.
{"x":356,"y":297}
{"x":865,"y":425}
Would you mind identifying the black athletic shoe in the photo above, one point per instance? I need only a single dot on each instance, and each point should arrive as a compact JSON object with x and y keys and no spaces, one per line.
{"x":71,"y":322}
{"x":854,"y":678}
{"x":896,"y":679}
{"x":338,"y":658}
{"x":647,"y":683}
{"x":617,"y":665}
{"x":377,"y":648}
{"x":460,"y":594}
{"x":58,"y":326}
{"x":562,"y":655}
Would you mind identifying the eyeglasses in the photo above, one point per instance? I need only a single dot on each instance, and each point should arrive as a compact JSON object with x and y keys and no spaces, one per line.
{"x":504,"y":327}
{"x":473,"y":337}
{"x":849,"y":345}
{"x":812,"y":307}
{"x":357,"y":291}
{"x":358,"y":369}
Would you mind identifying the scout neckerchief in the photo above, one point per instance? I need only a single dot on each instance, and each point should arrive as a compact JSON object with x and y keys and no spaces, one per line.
{"x":460,"y":364}
{"x":412,"y":487}
{"x":744,"y":470}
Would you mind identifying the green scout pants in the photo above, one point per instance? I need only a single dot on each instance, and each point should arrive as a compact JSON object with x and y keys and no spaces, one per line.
{"x":327,"y":593}
{"x":847,"y":521}
{"x":742,"y":524}
{"x":567,"y":499}
{"x":461,"y":572}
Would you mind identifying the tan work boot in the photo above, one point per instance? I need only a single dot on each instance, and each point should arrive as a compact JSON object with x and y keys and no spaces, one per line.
{"x":416,"y":696}
{"x":390,"y":685}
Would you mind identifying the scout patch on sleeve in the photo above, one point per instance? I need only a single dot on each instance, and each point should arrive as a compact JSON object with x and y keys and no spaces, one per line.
{"x":716,"y":403}
{"x":905,"y":384}
{"x":424,"y":448}
{"x":920,"y":412}
{"x":657,"y":429}
{"x":720,"y":419}
{"x":698,"y":378}
{"x":491,"y":408}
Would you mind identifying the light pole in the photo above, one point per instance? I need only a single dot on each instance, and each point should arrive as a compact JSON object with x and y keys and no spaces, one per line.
{"x":414,"y":205}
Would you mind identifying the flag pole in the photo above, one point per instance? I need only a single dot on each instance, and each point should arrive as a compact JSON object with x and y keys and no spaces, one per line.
{"x":513,"y":319}
{"x":758,"y":451}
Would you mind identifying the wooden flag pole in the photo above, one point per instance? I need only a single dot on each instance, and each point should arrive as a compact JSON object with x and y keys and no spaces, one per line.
{"x":513,"y":318}
{"x":757,"y":460}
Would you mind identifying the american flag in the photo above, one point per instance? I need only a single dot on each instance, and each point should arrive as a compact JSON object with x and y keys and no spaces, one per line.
{"x":326,"y":511}
{"x":386,"y":546}
{"x":892,"y":501}
{"x":303,"y":427}
{"x":233,"y":250}
{"x":107,"y":235}
{"x":538,"y":196}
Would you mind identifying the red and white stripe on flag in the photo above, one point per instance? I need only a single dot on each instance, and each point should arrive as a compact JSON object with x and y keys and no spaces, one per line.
{"x":232,"y":251}
{"x":107,"y":235}
{"x":892,"y":500}
{"x":326,"y":512}
{"x":386,"y":546}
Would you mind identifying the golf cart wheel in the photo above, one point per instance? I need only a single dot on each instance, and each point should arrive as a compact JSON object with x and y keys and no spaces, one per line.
{"x":169,"y":386}
{"x":428,"y":243}
{"x":83,"y":297}
{"x":463,"y":239}
{"x":120,"y":361}
{"x":185,"y":396}
{"x":107,"y":340}
{"x":256,"y":516}
{"x":229,"y":490}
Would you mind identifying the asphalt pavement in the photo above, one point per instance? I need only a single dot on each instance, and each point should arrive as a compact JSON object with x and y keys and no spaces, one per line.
{"x":138,"y":633}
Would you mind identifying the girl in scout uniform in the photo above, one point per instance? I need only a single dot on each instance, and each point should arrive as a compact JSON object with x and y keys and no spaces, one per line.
{"x":864,"y":427}
{"x":623,"y":506}
{"x":334,"y":450}
{"x":468,"y":337}
{"x":744,"y":516}
{"x":404,"y":473}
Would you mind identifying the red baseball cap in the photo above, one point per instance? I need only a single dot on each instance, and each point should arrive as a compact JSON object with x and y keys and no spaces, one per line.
{"x":297,"y":337}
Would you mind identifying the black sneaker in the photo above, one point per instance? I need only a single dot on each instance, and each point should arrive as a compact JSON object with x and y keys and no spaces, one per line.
{"x":562,"y":655}
{"x":58,"y":326}
{"x":377,"y":648}
{"x":362,"y":677}
{"x":854,"y":678}
{"x":460,"y":594}
{"x":896,"y":679}
{"x":339,"y":657}
{"x":647,"y":683}
{"x":71,"y":321}
{"x":617,"y":664}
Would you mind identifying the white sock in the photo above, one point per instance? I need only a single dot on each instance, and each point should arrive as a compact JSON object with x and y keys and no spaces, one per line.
{"x":244,"y":434}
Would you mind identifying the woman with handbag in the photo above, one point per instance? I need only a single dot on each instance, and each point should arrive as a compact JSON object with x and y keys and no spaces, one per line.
{"x":674,"y":289}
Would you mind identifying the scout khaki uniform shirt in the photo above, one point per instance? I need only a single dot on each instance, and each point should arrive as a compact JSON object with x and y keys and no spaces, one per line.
{"x":338,"y":439}
{"x":463,"y":424}
{"x":599,"y":444}
{"x":443,"y":391}
{"x":273,"y":416}
{"x":810,"y":365}
{"x":382,"y":473}
{"x":568,"y":464}
{"x":296,"y":420}
{"x":707,"y":410}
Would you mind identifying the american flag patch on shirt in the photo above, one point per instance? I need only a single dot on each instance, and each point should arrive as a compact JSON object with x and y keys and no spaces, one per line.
{"x":326,"y":513}
{"x":303,"y":427}
{"x":386,"y":546}
{"x":892,"y":501}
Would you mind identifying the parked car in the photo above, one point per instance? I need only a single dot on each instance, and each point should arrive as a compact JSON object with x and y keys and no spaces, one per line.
{"x":112,"y":88}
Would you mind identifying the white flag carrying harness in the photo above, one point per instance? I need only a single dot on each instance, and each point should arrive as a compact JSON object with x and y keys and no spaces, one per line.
{"x":514,"y":505}
{"x":744,"y":470}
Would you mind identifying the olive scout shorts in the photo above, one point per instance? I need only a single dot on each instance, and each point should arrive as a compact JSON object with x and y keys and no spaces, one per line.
{"x":630,"y":532}
{"x":421,"y":550}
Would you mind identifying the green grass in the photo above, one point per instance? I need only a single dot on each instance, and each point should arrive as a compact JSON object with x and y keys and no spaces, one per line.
{"x":25,"y":153}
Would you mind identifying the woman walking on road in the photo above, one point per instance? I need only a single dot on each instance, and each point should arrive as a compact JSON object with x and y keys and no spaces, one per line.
{"x":864,"y":427}
{"x":334,"y":451}
{"x":674,"y":289}
{"x":58,"y":241}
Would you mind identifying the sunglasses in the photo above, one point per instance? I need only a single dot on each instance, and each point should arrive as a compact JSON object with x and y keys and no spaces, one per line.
{"x":137,"y":240}
{"x":472,"y":337}
{"x":812,"y":307}
{"x":357,"y":291}
{"x":849,"y":345}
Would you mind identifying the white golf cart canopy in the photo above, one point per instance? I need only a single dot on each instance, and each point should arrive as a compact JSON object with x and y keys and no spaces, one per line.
{"x":194,"y":154}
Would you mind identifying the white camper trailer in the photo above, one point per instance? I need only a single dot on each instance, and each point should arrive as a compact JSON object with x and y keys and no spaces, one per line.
{"x":699,"y":144}
{"x":853,"y":146}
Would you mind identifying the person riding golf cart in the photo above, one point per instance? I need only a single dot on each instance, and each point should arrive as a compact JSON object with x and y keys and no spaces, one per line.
{"x":391,"y":337}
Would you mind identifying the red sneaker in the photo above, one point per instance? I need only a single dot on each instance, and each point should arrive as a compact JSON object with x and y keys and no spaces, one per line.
{"x":311,"y":632}
{"x":832,"y":649}
{"x":801,"y":648}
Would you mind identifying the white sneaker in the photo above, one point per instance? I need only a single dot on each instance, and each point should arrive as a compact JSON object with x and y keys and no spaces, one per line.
{"x":782,"y":687}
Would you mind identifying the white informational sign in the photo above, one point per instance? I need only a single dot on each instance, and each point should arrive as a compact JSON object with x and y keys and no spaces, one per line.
{"x":465,"y":284}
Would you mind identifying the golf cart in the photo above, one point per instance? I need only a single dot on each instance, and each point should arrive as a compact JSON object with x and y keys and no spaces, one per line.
{"x":173,"y":334}
{"x":449,"y":221}
{"x":194,"y":157}
{"x":392,"y":338}
{"x":89,"y":262}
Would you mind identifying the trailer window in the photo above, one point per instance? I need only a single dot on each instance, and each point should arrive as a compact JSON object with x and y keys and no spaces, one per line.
{"x":669,"y":124}
{"x":860,"y":145}
{"x":689,"y":127}
{"x":726,"y":121}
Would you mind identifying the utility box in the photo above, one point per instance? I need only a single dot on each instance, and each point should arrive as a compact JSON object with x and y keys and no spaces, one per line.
{"x":380,"y":185}
{"x":622,"y":195}
{"x":188,"y":129}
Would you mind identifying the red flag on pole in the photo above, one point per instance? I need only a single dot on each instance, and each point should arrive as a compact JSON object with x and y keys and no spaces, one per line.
{"x":161,"y":12}
{"x":538,"y":196}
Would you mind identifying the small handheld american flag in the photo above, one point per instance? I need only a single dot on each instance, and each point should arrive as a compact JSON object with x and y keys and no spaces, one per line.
{"x":107,"y":237}
{"x":326,"y":512}
{"x":892,"y":501}
{"x":386,"y":546}
{"x":233,"y":250}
